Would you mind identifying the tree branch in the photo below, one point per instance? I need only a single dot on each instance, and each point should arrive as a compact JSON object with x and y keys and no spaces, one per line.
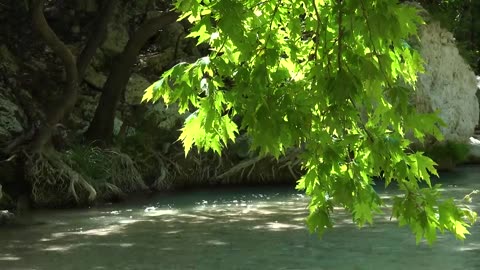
{"x":97,"y":38}
{"x":340,"y":34}
{"x":101,"y":127}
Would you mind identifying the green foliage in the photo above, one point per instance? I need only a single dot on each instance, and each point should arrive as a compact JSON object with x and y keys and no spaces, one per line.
{"x":456,"y":152}
{"x":330,"y":77}
{"x":92,"y":162}
{"x":140,"y":147}
{"x":106,"y":170}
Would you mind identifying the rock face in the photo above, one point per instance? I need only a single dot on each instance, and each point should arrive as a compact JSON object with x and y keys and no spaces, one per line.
{"x":448,"y":84}
{"x":12,"y":117}
{"x":8,"y":60}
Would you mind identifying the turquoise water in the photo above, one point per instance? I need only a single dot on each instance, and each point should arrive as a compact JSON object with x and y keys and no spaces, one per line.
{"x":234,"y":228}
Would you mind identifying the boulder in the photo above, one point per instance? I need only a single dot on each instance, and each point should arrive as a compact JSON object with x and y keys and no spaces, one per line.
{"x":8,"y":60}
{"x":117,"y":32}
{"x":448,"y":84}
{"x":6,"y":217}
{"x":133,"y":91}
{"x":117,"y":125}
{"x":474,"y":151}
{"x":83,"y":112}
{"x":100,"y":61}
{"x":478,"y":89}
{"x":12,"y":117}
{"x":165,"y":117}
{"x":135,"y":88}
{"x":118,"y":28}
{"x":158,"y":63}
{"x":94,"y":78}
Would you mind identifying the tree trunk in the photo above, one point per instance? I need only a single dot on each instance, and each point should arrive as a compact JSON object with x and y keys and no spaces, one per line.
{"x":44,"y":133}
{"x":98,"y":36}
{"x":74,"y":71}
{"x":101,"y":127}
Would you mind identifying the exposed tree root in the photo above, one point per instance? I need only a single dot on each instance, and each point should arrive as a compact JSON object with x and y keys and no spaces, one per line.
{"x":240,"y":168}
{"x":176,"y":171}
{"x":110,"y":192}
{"x":172,"y":170}
{"x":72,"y":178}
{"x":164,"y":168}
{"x":124,"y":173}
{"x":162,"y":183}
{"x":55,"y":183}
{"x":292,"y":162}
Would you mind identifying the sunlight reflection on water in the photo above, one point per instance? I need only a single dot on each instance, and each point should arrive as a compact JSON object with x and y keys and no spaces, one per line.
{"x":242,"y":228}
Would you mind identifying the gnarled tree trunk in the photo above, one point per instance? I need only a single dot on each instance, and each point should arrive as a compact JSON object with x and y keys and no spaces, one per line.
{"x":44,"y":133}
{"x":74,"y":71}
{"x":97,"y":37}
{"x":101,"y":127}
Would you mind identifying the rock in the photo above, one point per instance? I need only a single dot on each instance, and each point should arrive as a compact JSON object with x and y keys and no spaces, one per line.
{"x":8,"y":60}
{"x":448,"y":84}
{"x":94,"y":78}
{"x":166,"y":117}
{"x":241,"y":147}
{"x":117,"y":32}
{"x":75,"y":29}
{"x":117,"y":125}
{"x":474,"y":152}
{"x":153,"y":14}
{"x":126,"y":12}
{"x":6,"y":217}
{"x":135,"y":88}
{"x":83,"y":113}
{"x":100,"y":61}
{"x":478,"y":89}
{"x":88,"y":105}
{"x":159,"y":62}
{"x":12,"y":117}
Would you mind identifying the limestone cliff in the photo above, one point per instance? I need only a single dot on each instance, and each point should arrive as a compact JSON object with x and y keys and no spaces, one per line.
{"x":448,"y":84}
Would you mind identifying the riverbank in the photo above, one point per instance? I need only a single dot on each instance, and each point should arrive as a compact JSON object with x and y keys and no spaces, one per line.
{"x":242,"y":228}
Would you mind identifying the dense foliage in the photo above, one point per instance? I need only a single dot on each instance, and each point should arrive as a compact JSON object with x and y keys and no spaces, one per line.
{"x":332,"y":77}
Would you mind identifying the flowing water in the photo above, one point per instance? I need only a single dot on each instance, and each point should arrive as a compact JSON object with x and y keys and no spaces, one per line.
{"x":234,"y":228}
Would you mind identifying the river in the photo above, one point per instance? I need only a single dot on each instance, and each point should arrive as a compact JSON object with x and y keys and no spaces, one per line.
{"x":231,"y":228}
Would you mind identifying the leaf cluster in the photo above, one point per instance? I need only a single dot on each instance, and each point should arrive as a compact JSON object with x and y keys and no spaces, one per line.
{"x":331,"y":77}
